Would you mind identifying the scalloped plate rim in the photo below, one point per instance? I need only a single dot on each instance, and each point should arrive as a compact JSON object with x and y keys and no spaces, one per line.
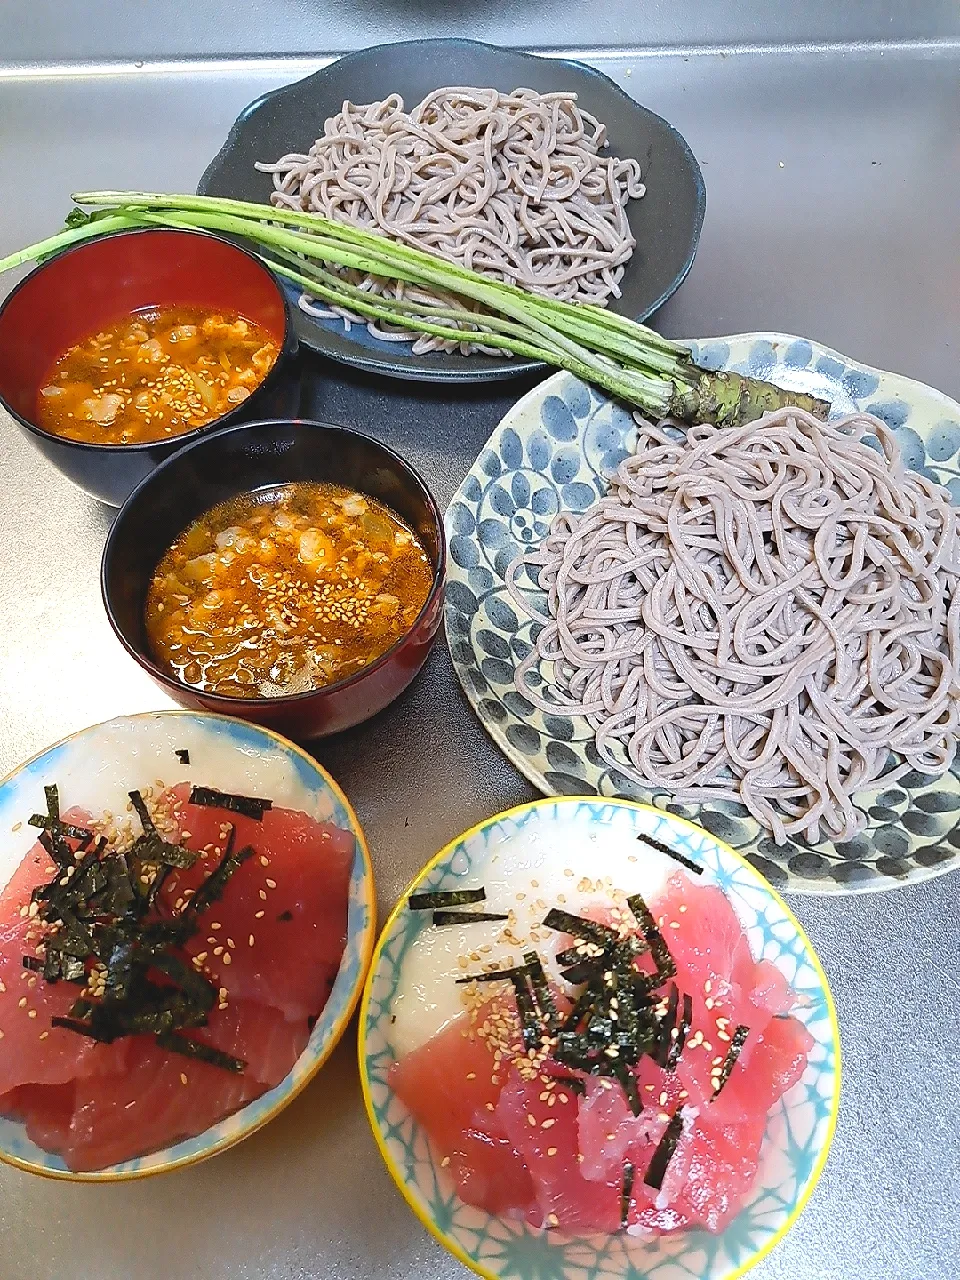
{"x":820,"y":888}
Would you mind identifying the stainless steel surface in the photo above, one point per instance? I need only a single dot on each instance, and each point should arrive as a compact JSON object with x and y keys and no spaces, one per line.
{"x":47,"y":30}
{"x":833,"y":210}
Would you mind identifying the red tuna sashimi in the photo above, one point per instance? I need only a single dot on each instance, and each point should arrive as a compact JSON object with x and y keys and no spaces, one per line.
{"x":294,"y":908}
{"x":161,"y":1099}
{"x":259,"y":1035}
{"x":32,"y":1050}
{"x":450,"y":1085}
{"x":45,"y":1110}
{"x":110,"y":1118}
{"x":546,"y":1138}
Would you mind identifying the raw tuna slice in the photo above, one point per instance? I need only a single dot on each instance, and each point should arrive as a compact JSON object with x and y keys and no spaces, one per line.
{"x":290,"y":898}
{"x":450,"y":1085}
{"x":46,"y":1111}
{"x":32,"y":1051}
{"x":160,"y":1099}
{"x":546,"y":1137}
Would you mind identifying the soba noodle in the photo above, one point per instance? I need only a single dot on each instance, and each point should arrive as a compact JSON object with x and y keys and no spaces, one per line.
{"x":768,"y":614}
{"x":511,"y":184}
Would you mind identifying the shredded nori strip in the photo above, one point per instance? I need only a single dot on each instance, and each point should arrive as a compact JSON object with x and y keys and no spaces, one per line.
{"x":682,"y":1031}
{"x":626,"y":1195}
{"x":151,"y":847}
{"x":183,"y":755}
{"x":81,"y":1028}
{"x":246,"y":806}
{"x":628,"y":1082}
{"x":668,"y":1023}
{"x":51,"y":821}
{"x":541,"y":990}
{"x":565,"y":922}
{"x":684,"y":861}
{"x":200,"y":1052}
{"x":530,"y":1024}
{"x":730,"y":1061}
{"x":664,"y":1152}
{"x":441,"y":898}
{"x":441,"y":918}
{"x":666,"y":968}
{"x":98,"y":915}
{"x":212,"y":888}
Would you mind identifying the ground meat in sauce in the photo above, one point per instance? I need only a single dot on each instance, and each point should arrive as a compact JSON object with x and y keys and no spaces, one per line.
{"x":289,"y":589}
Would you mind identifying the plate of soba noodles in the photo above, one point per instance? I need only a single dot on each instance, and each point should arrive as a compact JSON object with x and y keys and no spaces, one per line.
{"x":754,"y":626}
{"x":540,"y":172}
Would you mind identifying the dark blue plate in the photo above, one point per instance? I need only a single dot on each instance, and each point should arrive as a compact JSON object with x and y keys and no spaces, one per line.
{"x":666,"y":222}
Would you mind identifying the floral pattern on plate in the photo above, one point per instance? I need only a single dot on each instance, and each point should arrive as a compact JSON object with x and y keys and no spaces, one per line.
{"x":554,"y":450}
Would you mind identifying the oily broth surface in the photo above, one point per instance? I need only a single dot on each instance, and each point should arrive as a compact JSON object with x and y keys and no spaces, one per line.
{"x":154,"y":374}
{"x":285,"y":590}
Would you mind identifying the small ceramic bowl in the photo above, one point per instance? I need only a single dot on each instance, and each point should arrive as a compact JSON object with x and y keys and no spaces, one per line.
{"x":95,"y":768}
{"x":255,"y":456}
{"x":97,"y":283}
{"x":799,"y":1129}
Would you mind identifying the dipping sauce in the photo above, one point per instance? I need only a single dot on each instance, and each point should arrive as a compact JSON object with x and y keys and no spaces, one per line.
{"x":154,"y":374}
{"x":285,"y":590}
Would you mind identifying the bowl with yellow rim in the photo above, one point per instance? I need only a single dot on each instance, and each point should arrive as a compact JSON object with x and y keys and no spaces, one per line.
{"x":95,"y":769}
{"x":799,"y":1129}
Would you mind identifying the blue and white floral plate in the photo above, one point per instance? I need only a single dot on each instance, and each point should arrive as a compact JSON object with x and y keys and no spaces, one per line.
{"x":799,"y":1129}
{"x":95,"y":768}
{"x":553,"y":451}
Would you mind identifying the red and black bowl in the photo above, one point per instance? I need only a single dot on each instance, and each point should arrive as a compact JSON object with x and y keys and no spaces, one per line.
{"x":245,"y":459}
{"x":95,"y":284}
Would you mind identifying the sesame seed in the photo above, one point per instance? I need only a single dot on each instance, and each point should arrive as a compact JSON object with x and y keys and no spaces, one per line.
{"x":444,"y":1162}
{"x":227,"y":958}
{"x":31,"y":1013}
{"x":271,"y":884}
{"x":22,"y":1002}
{"x":551,"y":1151}
{"x":183,"y":1078}
{"x":547,"y":1124}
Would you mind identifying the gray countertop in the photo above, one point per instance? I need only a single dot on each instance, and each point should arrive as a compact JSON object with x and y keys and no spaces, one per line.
{"x":833,"y":177}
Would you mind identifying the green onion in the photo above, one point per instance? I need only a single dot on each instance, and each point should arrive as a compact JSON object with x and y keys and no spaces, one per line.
{"x":614,"y":353}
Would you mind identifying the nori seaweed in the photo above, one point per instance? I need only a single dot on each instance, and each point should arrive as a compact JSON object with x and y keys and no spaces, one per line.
{"x":200,"y":1052}
{"x":247,"y":806}
{"x":441,"y":918}
{"x":441,"y":898}
{"x":541,"y":990}
{"x":684,"y":861}
{"x":664,"y":1152}
{"x":626,"y":1195}
{"x":183,"y":755}
{"x":97,"y":910}
{"x":730,"y":1061}
{"x":683,"y":1030}
{"x":590,"y":930}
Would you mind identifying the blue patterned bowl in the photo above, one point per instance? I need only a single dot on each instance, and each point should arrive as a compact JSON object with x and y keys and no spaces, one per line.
{"x":799,"y":1129}
{"x":95,"y":768}
{"x":553,"y":451}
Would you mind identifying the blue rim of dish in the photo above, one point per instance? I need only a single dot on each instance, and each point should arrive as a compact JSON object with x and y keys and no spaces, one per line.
{"x":491,"y":370}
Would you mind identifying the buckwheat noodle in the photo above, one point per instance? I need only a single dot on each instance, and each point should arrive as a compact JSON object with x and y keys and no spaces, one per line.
{"x":514,"y":185}
{"x":760,"y":614}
